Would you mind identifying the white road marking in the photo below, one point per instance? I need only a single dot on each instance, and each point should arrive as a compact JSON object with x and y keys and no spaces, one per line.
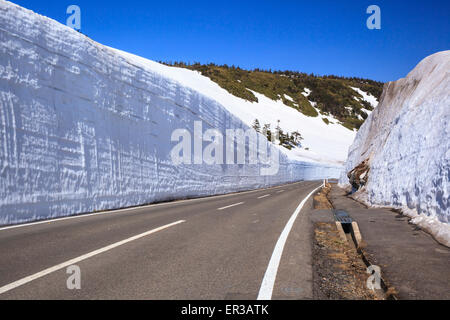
{"x":45,"y":272}
{"x":231,"y":205}
{"x":114,"y":211}
{"x":265,"y":292}
{"x":67,"y":218}
{"x":266,"y":195}
{"x":280,"y":191}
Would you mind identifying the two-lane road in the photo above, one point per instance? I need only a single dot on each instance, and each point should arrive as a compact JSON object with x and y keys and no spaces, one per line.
{"x":222,"y":247}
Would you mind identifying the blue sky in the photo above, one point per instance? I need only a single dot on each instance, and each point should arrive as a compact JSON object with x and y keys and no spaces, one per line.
{"x":322,"y":37}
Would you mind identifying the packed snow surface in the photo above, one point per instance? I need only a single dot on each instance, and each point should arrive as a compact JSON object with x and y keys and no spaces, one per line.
{"x":407,"y":142}
{"x":84,"y":127}
{"x":367,"y":97}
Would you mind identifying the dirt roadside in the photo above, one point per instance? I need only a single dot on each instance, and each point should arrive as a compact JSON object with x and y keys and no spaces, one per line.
{"x":412,"y":263}
{"x":339,"y":273}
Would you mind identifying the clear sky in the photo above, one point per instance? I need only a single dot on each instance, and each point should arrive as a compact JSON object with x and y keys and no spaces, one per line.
{"x":318,"y":36}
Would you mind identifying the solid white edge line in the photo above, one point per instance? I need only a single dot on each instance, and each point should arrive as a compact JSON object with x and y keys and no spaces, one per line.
{"x":66,"y":218}
{"x":113,"y":211}
{"x":266,"y":195}
{"x":265,"y":292}
{"x":57,"y":267}
{"x":231,"y":205}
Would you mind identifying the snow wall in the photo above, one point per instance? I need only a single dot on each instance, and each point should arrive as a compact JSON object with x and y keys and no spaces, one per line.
{"x":407,"y":142}
{"x":83,"y":129}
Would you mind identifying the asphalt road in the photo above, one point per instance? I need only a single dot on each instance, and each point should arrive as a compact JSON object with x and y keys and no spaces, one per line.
{"x":210,"y":248}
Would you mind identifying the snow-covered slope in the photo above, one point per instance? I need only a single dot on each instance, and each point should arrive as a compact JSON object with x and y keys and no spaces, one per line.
{"x":406,"y":140}
{"x":367,"y":97}
{"x":324,"y":143}
{"x":84,"y":127}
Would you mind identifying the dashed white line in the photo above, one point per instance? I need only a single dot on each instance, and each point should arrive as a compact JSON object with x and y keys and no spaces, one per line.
{"x":265,"y":292}
{"x":231,"y":205}
{"x":115,"y":211}
{"x":45,"y":272}
{"x":280,"y":191}
{"x":266,"y":195}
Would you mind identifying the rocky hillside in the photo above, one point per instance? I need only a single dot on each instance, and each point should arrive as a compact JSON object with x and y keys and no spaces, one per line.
{"x":350,"y":100}
{"x":401,"y":154}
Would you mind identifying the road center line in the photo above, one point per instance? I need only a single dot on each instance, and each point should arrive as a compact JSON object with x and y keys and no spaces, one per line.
{"x":116,"y":211}
{"x":280,"y":191}
{"x":266,"y":195}
{"x":45,"y":272}
{"x":265,"y":292}
{"x":231,"y":205}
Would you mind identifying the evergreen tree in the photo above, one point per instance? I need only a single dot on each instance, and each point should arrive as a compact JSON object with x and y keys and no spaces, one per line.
{"x":267,"y":132}
{"x":296,"y":137}
{"x":256,"y":125}
{"x":279,"y":133}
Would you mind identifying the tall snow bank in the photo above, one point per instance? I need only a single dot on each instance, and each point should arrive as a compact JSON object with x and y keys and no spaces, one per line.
{"x":84,"y":127}
{"x":406,"y":140}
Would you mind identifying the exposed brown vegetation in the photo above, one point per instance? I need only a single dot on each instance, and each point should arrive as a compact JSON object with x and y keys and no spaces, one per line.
{"x":339,"y":272}
{"x":321,"y":198}
{"x":332,"y":95}
{"x":359,"y":175}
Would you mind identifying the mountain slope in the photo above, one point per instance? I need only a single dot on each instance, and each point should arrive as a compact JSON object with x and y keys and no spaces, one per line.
{"x":401,"y":154}
{"x":349,"y":100}
{"x":326,"y":140}
{"x":84,"y":127}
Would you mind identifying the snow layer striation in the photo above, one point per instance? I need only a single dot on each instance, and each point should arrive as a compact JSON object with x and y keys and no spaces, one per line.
{"x":84,"y":127}
{"x":407,"y":141}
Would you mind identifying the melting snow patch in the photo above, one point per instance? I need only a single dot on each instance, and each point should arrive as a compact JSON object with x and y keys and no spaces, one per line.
{"x":306,"y":92}
{"x":366,"y":97}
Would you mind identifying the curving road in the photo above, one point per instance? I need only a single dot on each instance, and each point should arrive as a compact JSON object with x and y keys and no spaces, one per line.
{"x":220,"y":247}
